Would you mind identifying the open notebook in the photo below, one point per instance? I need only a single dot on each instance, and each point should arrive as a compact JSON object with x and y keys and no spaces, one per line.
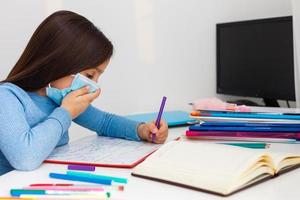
{"x":214,"y":168}
{"x":104,"y":152}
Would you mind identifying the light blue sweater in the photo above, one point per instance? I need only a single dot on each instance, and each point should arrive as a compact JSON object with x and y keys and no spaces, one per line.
{"x":31,"y":126}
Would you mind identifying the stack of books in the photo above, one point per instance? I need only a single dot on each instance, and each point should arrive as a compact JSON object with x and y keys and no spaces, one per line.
{"x":250,"y":126}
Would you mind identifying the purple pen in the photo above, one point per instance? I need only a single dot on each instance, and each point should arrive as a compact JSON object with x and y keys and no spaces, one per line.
{"x":157,"y":123}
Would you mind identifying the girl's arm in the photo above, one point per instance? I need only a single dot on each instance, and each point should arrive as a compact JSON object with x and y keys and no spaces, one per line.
{"x":107,"y":124}
{"x":27,"y":147}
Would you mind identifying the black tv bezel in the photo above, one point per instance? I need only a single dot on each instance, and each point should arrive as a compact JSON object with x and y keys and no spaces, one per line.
{"x":220,"y":90}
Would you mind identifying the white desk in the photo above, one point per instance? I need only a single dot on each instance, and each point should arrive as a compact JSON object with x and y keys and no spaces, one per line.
{"x":286,"y":186}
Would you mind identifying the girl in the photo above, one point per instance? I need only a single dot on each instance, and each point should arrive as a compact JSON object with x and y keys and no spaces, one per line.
{"x":41,"y":96}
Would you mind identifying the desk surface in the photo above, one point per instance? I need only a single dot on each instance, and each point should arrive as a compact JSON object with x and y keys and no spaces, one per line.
{"x":286,"y":186}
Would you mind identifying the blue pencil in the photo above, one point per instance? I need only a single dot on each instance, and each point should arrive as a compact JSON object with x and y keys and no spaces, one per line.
{"x":80,"y":178}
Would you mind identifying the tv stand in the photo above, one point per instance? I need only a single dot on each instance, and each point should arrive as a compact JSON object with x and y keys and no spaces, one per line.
{"x":271,"y":102}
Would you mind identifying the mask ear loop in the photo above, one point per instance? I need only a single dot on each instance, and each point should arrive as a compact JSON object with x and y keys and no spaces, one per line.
{"x":49,"y":84}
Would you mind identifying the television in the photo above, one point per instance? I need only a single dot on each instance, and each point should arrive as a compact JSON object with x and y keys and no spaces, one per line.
{"x":255,"y":59}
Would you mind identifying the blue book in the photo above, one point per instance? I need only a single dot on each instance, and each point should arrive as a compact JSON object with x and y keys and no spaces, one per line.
{"x":173,"y":118}
{"x":242,"y":124}
{"x":199,"y":127}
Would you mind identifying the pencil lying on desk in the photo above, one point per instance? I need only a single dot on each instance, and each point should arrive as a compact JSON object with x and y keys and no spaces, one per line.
{"x":22,"y":198}
{"x":65,"y":188}
{"x":249,"y":145}
{"x":43,"y":186}
{"x":19,"y":192}
{"x":65,"y":197}
{"x":97,"y":176}
{"x":75,"y":187}
{"x":80,"y":178}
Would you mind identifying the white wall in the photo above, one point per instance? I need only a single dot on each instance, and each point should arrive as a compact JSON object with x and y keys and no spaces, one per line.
{"x":165,"y":47}
{"x":162,"y":47}
{"x":18,"y":20}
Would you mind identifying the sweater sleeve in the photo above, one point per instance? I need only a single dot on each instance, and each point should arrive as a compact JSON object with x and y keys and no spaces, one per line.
{"x":107,"y":124}
{"x":27,"y":147}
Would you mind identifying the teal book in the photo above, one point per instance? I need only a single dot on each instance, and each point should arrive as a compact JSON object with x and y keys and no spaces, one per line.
{"x":173,"y":118}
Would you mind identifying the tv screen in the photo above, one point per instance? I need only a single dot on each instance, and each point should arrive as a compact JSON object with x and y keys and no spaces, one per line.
{"x":255,"y":58}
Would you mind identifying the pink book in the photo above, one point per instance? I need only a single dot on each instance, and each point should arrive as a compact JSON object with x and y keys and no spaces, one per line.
{"x":231,"y":134}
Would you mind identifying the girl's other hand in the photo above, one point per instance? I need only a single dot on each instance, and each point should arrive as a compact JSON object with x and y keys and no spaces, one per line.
{"x":77,"y":101}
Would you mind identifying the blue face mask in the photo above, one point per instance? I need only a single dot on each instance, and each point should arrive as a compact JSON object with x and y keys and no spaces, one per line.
{"x":78,"y":82}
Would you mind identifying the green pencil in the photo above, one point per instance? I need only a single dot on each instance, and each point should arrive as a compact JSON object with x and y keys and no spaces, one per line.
{"x":250,"y":145}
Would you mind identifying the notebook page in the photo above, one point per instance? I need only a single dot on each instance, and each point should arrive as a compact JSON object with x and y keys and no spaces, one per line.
{"x":208,"y":166}
{"x":104,"y":150}
{"x":282,"y":159}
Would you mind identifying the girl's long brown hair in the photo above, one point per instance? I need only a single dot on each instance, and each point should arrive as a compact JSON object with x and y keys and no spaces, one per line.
{"x":64,"y":43}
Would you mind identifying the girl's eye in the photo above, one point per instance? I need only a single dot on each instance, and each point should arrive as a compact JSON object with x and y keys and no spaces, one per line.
{"x":89,"y":76}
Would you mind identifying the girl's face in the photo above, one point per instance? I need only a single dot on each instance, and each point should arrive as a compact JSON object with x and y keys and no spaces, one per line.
{"x":93,"y":74}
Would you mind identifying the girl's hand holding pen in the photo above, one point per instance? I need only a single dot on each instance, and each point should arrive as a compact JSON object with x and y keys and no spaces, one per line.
{"x":155,"y":132}
{"x":146,"y":132}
